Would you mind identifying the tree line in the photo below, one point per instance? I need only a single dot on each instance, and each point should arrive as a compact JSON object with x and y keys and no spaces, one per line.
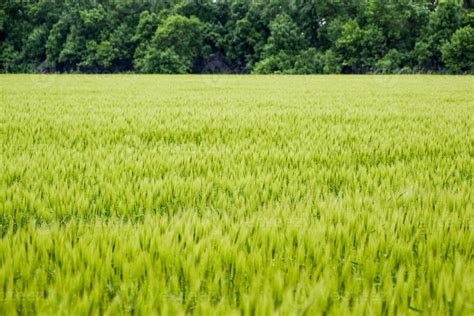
{"x":237,"y":36}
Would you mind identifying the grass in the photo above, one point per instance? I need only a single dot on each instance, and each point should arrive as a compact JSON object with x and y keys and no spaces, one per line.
{"x":247,"y":195}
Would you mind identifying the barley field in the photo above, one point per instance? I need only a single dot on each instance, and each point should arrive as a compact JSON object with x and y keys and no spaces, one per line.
{"x":253,"y":195}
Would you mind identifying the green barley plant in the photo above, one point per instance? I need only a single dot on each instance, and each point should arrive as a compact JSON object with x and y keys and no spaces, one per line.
{"x":253,"y":195}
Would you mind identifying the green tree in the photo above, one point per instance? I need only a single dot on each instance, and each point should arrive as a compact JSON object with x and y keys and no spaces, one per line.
{"x":9,"y":58}
{"x":175,"y":45}
{"x":358,"y":48}
{"x":66,"y":44}
{"x":247,"y":33}
{"x":144,"y":31}
{"x":283,"y":45}
{"x":392,"y":62}
{"x":237,"y":36}
{"x":458,"y":54}
{"x":444,"y":21}
{"x":309,"y":61}
{"x":278,"y":63}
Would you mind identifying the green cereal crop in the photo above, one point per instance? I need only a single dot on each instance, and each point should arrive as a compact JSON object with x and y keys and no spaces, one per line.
{"x":254,"y":195}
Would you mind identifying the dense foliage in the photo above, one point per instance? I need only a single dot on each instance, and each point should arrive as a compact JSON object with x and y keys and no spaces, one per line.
{"x":229,"y":195}
{"x":236,"y":36}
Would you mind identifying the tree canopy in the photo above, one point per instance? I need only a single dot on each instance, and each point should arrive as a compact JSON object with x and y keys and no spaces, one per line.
{"x":237,"y":36}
